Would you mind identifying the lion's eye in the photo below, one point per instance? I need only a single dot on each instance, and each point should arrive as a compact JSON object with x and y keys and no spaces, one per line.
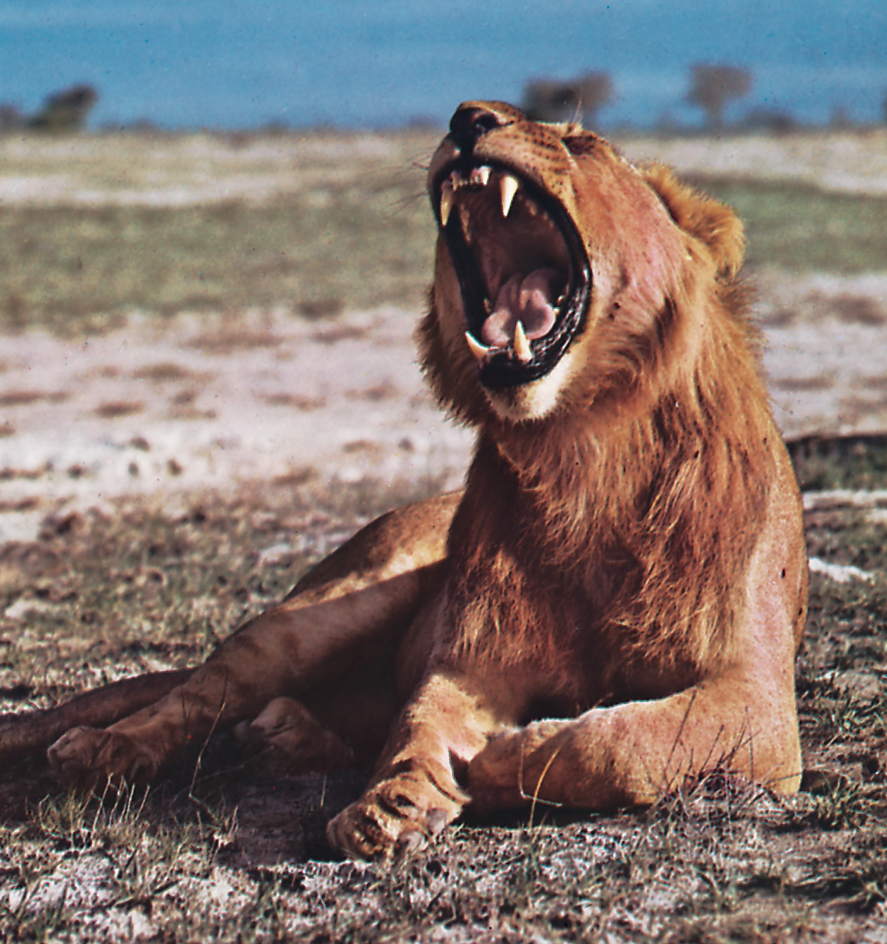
{"x":581,"y":144}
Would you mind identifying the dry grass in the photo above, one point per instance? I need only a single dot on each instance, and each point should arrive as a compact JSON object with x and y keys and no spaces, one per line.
{"x":72,"y":269}
{"x":216,"y":855}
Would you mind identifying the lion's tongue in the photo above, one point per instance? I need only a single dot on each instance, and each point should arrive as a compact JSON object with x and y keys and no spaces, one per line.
{"x":526,"y":298}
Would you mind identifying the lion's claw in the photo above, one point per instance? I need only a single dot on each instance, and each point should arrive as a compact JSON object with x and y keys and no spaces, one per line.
{"x":285,"y":738}
{"x":392,"y":819}
{"x":408,"y":843}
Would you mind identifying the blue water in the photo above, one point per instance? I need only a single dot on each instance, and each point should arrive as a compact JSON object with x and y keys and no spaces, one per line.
{"x":229,"y":63}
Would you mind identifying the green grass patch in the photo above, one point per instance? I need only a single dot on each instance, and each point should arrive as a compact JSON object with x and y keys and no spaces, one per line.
{"x":800,"y":228}
{"x":71,"y":269}
{"x":824,"y":462}
{"x":348,"y":231}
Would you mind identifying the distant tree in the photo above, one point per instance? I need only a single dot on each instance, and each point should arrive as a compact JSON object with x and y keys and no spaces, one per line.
{"x":576,"y":99}
{"x":595,"y":90}
{"x":10,"y":117}
{"x":547,"y":100}
{"x":66,"y":110}
{"x":713,"y":85}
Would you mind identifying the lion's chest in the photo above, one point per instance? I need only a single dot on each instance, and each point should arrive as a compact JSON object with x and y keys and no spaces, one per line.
{"x":561,"y":642}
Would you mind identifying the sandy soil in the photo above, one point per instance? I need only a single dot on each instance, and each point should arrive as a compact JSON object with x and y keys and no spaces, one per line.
{"x":213,"y":403}
{"x":158,"y":170}
{"x":849,"y":162}
{"x":182,"y":170}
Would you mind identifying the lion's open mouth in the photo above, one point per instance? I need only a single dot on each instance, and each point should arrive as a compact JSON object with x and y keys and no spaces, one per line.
{"x":523,"y":270}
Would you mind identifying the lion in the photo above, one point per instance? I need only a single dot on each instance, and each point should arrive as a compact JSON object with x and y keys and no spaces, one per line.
{"x":612,"y":605}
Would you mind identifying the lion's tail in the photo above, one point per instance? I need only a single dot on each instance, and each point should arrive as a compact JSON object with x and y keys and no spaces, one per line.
{"x":31,"y":732}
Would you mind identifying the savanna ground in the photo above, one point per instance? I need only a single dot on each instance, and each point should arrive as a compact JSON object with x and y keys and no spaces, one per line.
{"x":206,"y":382}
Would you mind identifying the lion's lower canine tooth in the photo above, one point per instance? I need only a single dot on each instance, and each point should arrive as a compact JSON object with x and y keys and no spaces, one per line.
{"x":522,"y":349}
{"x":509,"y":187}
{"x":446,"y":203}
{"x":476,"y":348}
{"x":465,"y":219}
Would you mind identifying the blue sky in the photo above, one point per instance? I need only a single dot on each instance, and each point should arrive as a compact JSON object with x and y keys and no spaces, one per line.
{"x":237,"y":64}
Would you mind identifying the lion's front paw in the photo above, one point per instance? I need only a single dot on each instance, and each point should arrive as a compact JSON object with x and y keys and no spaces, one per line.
{"x":394,"y":817}
{"x":87,"y":757}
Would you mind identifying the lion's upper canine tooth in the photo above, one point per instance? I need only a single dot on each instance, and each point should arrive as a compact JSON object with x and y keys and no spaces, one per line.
{"x":522,"y":349}
{"x":477,"y":349}
{"x":446,"y":202}
{"x":509,"y":186}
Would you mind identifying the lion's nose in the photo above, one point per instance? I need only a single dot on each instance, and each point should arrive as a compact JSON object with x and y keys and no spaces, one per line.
{"x":471,"y":123}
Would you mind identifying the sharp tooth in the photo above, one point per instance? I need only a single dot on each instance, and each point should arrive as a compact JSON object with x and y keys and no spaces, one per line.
{"x":488,"y":306}
{"x":446,"y":203}
{"x":465,"y":218}
{"x":483,"y":175}
{"x":509,"y":187}
{"x":477,"y":349}
{"x":522,"y":348}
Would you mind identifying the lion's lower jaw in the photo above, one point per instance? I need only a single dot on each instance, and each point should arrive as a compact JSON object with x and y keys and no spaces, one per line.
{"x":535,"y":400}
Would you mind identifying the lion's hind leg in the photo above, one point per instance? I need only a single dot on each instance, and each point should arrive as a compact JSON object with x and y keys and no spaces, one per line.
{"x":345,"y":727}
{"x":344,"y":620}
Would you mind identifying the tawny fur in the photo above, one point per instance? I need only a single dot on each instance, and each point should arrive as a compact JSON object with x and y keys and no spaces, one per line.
{"x":613,"y":604}
{"x":652,"y":474}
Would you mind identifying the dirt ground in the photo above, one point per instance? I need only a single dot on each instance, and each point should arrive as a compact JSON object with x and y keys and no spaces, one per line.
{"x":213,"y":404}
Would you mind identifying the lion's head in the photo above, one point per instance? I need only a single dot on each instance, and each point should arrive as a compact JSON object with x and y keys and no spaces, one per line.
{"x":556,"y":257}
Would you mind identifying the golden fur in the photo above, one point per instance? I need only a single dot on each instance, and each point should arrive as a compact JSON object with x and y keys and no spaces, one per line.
{"x":614,"y":602}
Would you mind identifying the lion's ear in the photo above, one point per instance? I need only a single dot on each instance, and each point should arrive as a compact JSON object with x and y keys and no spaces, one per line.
{"x":712,"y":223}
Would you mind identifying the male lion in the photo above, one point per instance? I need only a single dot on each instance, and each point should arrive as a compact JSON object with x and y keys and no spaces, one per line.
{"x":613,"y":603}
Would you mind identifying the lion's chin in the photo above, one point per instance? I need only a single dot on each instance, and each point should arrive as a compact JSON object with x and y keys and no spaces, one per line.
{"x":535,"y":400}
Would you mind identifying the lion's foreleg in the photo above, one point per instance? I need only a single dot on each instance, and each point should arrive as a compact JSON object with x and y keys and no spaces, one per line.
{"x":346,"y":618}
{"x":632,"y":754}
{"x":416,"y":788}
